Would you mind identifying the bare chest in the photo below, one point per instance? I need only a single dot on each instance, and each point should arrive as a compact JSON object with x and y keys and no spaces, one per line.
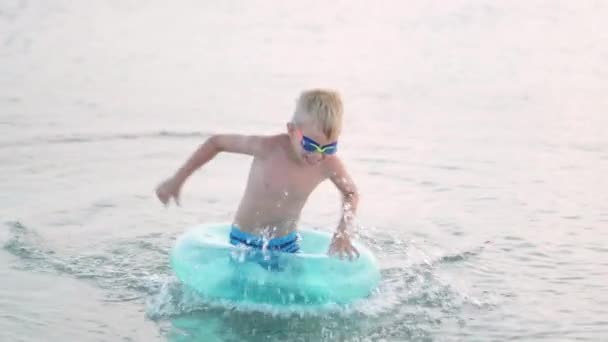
{"x":275,"y":177}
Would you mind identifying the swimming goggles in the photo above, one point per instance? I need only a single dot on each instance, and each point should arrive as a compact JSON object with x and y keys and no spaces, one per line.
{"x":312,"y":146}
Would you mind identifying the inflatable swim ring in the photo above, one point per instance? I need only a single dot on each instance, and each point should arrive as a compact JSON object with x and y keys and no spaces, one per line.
{"x":206,"y":262}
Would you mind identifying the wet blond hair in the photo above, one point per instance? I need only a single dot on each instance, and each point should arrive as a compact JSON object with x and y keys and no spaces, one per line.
{"x":322,"y":109}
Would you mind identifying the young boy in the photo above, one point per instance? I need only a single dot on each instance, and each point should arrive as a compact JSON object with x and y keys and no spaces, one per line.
{"x":286,"y":168}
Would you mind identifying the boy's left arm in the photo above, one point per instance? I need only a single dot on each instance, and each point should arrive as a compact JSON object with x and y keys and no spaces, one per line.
{"x":341,"y":242}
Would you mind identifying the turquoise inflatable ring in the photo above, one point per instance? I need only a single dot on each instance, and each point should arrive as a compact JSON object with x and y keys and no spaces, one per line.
{"x":204,"y":260}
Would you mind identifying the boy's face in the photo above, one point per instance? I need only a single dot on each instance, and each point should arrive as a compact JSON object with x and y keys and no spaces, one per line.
{"x":310,"y":144}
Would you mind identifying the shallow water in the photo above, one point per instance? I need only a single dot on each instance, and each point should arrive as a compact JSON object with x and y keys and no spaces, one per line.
{"x":476,"y":131}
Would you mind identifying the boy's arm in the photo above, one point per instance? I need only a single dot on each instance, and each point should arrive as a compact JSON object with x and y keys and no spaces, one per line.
{"x":341,"y":243}
{"x":244,"y":144}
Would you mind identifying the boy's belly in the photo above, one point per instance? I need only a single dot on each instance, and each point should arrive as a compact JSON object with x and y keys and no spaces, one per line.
{"x":268,"y":222}
{"x":267,"y":228}
{"x":271,"y":205}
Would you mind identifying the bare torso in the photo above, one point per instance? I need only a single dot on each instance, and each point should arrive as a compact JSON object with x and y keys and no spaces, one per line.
{"x":276,"y":191}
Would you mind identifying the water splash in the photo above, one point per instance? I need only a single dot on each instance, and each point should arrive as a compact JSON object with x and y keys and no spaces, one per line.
{"x":410,"y":302}
{"x":128,"y":269}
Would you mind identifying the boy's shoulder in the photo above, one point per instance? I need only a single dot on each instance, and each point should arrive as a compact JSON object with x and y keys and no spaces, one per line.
{"x":269,"y":143}
{"x":333,"y":166}
{"x":272,"y":140}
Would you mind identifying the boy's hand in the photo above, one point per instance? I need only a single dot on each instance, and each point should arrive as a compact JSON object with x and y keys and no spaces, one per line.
{"x":167,"y":189}
{"x":342,"y":246}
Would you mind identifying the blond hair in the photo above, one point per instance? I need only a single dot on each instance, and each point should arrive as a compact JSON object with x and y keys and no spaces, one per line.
{"x":321,"y":108}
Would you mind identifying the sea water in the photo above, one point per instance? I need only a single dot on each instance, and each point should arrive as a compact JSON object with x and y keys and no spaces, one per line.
{"x":475,"y":130}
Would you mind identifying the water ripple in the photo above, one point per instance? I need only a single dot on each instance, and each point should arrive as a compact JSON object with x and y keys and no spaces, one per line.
{"x":80,"y":139}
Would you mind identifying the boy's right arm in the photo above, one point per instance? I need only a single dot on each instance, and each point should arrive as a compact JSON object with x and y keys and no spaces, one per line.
{"x":244,"y":144}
